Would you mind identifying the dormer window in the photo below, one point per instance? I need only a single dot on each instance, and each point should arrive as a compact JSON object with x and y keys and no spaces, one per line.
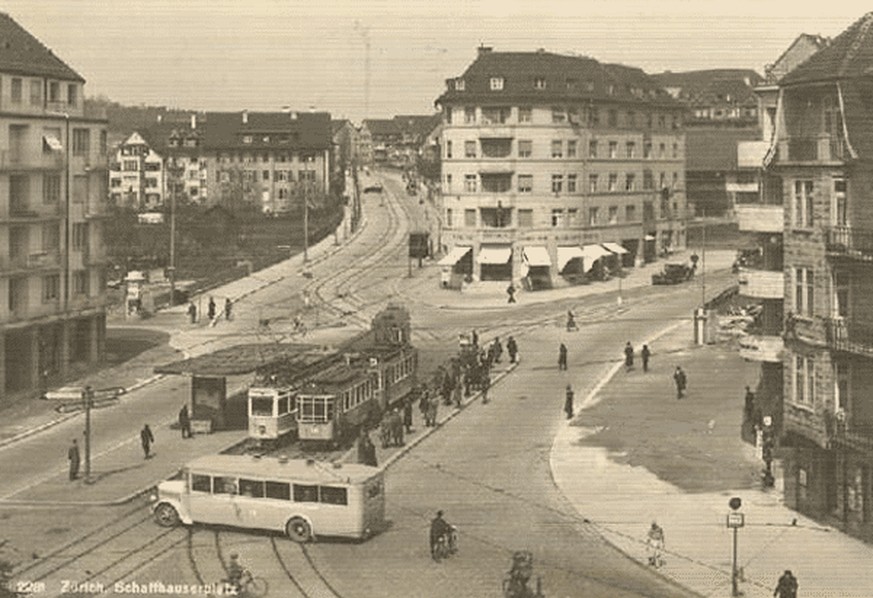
{"x":496,"y":84}
{"x":540,"y":83}
{"x":571,"y":84}
{"x":247,"y":139}
{"x":611,"y":90}
{"x":460,"y":85}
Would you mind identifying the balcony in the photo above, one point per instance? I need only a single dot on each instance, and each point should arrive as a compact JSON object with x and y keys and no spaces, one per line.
{"x":761,"y":284}
{"x":741,"y":187}
{"x":20,"y":211}
{"x":850,"y":242}
{"x":760,"y":218}
{"x":842,"y":432}
{"x":850,"y":336}
{"x":43,"y":259}
{"x":818,"y":148}
{"x":22,"y":161}
{"x":761,"y":348}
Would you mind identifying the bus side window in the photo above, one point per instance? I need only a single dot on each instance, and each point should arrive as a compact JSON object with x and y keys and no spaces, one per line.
{"x":305,"y":493}
{"x":224,"y":485}
{"x":201,"y":483}
{"x":251,"y":488}
{"x":333,"y":496}
{"x":278,"y":490}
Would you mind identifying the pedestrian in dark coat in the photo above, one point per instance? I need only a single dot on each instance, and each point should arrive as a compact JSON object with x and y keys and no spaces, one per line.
{"x":363,"y":449}
{"x":512,"y":349}
{"x":147,"y":438}
{"x":486,"y":384}
{"x":228,"y":307}
{"x":645,"y":354}
{"x":562,"y":357}
{"x":628,"y":356}
{"x":211,"y":309}
{"x":192,"y":312}
{"x":510,"y":290}
{"x":681,"y":382}
{"x":185,"y":422}
{"x":73,"y":458}
{"x":568,"y":402}
{"x":424,"y":402}
{"x":498,"y":349}
{"x":786,"y":586}
{"x":475,"y":338}
{"x":407,"y":415}
{"x":749,"y":408}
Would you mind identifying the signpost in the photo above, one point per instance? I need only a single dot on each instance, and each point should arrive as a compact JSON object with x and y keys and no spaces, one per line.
{"x":735,"y":520}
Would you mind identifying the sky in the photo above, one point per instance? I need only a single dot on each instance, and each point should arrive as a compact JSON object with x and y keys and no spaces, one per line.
{"x":267,"y":54}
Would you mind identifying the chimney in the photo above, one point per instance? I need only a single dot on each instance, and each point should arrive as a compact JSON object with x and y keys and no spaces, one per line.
{"x":293,"y":116}
{"x":245,"y":117}
{"x":747,"y":81}
{"x":160,"y":118}
{"x":484,"y":50}
{"x":193,"y":121}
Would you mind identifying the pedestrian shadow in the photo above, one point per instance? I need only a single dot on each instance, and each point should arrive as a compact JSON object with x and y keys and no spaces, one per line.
{"x":101,"y":475}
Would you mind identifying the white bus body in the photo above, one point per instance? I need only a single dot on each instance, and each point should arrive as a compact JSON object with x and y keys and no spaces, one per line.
{"x":301,"y":498}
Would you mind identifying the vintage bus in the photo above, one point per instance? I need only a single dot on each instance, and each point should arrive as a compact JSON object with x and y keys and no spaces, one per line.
{"x":299,"y":497}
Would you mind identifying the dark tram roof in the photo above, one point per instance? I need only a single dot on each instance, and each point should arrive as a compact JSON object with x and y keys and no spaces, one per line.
{"x":244,"y":359}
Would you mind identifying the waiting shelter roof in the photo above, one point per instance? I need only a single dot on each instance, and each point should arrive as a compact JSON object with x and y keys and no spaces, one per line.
{"x":241,"y":359}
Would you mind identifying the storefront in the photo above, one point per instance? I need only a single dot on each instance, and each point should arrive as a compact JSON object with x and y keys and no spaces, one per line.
{"x":619,"y":257}
{"x":456,"y":267}
{"x":495,"y":262}
{"x":650,"y":250}
{"x":570,"y":263}
{"x":538,"y":266}
{"x":592,"y":258}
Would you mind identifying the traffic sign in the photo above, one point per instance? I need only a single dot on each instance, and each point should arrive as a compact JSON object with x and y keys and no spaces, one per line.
{"x":735,"y":520}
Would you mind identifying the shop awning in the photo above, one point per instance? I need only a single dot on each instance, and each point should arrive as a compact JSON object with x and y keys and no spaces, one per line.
{"x":592,"y":253}
{"x":537,"y":255}
{"x":615,"y":248}
{"x":454,"y":256}
{"x":565,"y":254}
{"x":494,"y":255}
{"x":649,"y":238}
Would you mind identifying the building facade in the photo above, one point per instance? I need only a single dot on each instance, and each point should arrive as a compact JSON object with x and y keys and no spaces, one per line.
{"x":823,"y":154}
{"x":137,"y":177}
{"x":53,"y":189}
{"x":545,"y":157}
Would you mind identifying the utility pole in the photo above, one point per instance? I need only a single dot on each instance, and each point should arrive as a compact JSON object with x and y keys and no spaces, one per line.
{"x":703,"y":262}
{"x":306,"y":189}
{"x":172,"y":268}
{"x":88,"y":399}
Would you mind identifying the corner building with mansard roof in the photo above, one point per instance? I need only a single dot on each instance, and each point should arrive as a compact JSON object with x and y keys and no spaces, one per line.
{"x":553,"y":165}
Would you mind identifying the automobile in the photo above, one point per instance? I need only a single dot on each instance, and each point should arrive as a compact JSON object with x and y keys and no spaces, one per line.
{"x":377,"y":188}
{"x":673,"y":274}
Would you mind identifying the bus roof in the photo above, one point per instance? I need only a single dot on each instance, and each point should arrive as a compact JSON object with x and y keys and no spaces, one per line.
{"x":297,"y":470}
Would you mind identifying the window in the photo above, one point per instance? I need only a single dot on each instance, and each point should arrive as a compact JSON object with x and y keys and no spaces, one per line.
{"x":539,"y":83}
{"x":803,"y":291}
{"x":247,"y":139}
{"x":80,"y":283}
{"x":51,"y":286}
{"x":613,"y":214}
{"x":647,"y":150}
{"x":525,"y":218}
{"x":262,"y":406}
{"x":802,"y":206}
{"x":265,"y":175}
{"x":593,"y":117}
{"x":613,"y":182}
{"x":51,"y":188}
{"x":448,"y":150}
{"x":557,"y":183}
{"x":251,"y":488}
{"x":648,"y":180}
{"x":612,"y":116}
{"x":460,"y":85}
{"x":675,"y":180}
{"x":631,"y":149}
{"x":470,"y":183}
{"x":559,"y":114}
{"x":449,"y":183}
{"x":54,"y":89}
{"x":448,"y":115}
{"x":630,"y":182}
{"x":571,"y":148}
{"x":557,"y":148}
{"x":496,"y":83}
{"x":841,"y":294}
{"x":557,"y":216}
{"x":525,"y":183}
{"x":613,"y":149}
{"x":36,"y":92}
{"x":469,"y":149}
{"x":80,"y":236}
{"x":592,"y":148}
{"x":525,"y":114}
{"x":333,"y":495}
{"x":675,"y":150}
{"x":593,"y":216}
{"x":470,"y":218}
{"x":804,"y":380}
{"x":841,"y":204}
{"x":525,"y":148}
{"x":201,"y":483}
{"x":72,"y":94}
{"x":281,"y":175}
{"x":662,"y":150}
{"x":15,"y":90}
{"x":630,"y":213}
{"x":449,"y":217}
{"x":305,"y":493}
{"x":592,"y":183}
{"x":81,"y":142}
{"x":495,"y":116}
{"x":51,"y":237}
{"x":469,"y":115}
{"x":631,"y":118}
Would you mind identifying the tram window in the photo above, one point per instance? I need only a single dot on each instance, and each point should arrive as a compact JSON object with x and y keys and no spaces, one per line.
{"x":262,"y":406}
{"x":346,"y":405}
{"x":329,"y":414}
{"x":278,"y":490}
{"x":224,"y":485}
{"x":201,"y":483}
{"x":252,"y":488}
{"x":332,"y":495}
{"x":284,"y":404}
{"x":305,"y":493}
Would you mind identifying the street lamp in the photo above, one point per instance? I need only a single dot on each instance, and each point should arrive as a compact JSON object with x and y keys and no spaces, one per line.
{"x":735,"y":520}
{"x":306,"y":189}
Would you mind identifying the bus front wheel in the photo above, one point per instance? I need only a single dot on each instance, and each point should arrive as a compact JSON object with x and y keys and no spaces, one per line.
{"x":166,"y":515}
{"x":298,"y":530}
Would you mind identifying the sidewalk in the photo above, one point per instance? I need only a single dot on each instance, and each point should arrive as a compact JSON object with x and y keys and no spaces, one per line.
{"x":621,"y":495}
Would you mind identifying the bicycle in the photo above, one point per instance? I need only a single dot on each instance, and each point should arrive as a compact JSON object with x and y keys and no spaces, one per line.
{"x":446,"y":544}
{"x":248,"y":585}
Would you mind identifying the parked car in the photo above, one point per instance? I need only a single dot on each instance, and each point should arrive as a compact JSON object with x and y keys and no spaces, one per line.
{"x":673,"y":274}
{"x":377,"y":188}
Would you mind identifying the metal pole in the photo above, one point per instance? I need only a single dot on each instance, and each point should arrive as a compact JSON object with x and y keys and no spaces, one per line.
{"x":703,"y":263}
{"x":734,"y":589}
{"x":306,"y":214}
{"x":87,"y":396}
{"x":172,"y":268}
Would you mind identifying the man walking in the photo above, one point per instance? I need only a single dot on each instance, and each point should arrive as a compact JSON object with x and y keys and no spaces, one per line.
{"x":146,"y":438}
{"x":185,"y":422}
{"x":211,"y":309}
{"x":407,"y":414}
{"x":562,"y":357}
{"x":787,"y":586}
{"x":645,"y":354}
{"x":192,"y":312}
{"x":512,"y":349}
{"x":681,"y":382}
{"x":568,"y":402}
{"x":510,"y":290}
{"x":228,"y":307}
{"x":73,"y":458}
{"x":628,"y":357}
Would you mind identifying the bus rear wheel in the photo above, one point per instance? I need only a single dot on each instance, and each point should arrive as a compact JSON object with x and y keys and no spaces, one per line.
{"x":298,"y":530}
{"x":166,"y":515}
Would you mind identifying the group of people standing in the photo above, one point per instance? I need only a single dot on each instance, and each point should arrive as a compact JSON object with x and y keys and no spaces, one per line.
{"x":211,"y":311}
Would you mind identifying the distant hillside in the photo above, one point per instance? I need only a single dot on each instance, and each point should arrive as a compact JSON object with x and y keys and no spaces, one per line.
{"x":124,"y":119}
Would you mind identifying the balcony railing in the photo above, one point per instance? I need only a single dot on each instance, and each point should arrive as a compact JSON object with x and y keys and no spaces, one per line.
{"x":842,"y":432}
{"x":850,"y":336}
{"x":14,"y":160}
{"x":819,"y":148}
{"x":851,"y":242}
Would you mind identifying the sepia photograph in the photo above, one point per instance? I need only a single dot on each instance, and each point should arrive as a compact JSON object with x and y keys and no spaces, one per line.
{"x":476,"y":298}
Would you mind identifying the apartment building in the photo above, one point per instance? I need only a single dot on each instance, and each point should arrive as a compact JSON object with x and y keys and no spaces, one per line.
{"x":137,"y":177}
{"x":823,"y":154}
{"x":53,"y":185}
{"x":723,"y":97}
{"x":547,"y":157}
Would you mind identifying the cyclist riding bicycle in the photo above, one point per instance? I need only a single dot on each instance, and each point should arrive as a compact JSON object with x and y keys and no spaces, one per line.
{"x":235,"y":572}
{"x":440,"y":531}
